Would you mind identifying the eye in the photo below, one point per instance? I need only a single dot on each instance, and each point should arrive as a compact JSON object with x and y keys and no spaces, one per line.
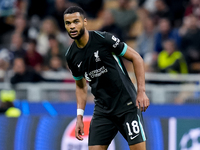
{"x":76,"y":21}
{"x":67,"y":23}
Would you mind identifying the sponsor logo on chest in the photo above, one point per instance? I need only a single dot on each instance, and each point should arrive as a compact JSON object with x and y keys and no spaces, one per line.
{"x":95,"y":73}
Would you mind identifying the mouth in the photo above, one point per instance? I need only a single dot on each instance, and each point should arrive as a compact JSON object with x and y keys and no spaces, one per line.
{"x":73,"y":33}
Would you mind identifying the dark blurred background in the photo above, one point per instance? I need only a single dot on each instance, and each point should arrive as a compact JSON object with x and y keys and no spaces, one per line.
{"x":37,"y":90}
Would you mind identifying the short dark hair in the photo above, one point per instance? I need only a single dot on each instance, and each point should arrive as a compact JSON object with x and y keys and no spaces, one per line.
{"x":74,"y":9}
{"x":31,"y":40}
{"x":52,"y":37}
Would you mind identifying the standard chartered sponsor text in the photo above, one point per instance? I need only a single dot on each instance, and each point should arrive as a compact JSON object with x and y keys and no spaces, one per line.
{"x":98,"y":72}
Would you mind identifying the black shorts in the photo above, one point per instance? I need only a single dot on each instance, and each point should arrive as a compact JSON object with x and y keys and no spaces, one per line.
{"x":104,"y":128}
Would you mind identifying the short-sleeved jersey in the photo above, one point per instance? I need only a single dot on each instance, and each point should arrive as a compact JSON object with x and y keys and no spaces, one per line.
{"x":100,"y":64}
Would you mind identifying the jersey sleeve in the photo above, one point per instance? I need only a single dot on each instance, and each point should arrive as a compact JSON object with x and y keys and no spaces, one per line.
{"x":75,"y":73}
{"x":115,"y":45}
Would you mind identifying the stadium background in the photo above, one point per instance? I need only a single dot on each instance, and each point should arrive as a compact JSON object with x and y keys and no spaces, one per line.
{"x":46,"y":108}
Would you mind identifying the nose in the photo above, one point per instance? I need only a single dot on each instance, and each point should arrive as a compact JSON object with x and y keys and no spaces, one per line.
{"x":72,"y":26}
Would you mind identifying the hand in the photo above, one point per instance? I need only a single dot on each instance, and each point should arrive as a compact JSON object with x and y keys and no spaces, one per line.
{"x":79,"y":130}
{"x":142,"y":101}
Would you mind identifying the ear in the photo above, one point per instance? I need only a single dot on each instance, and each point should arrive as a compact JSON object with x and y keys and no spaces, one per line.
{"x":85,"y":21}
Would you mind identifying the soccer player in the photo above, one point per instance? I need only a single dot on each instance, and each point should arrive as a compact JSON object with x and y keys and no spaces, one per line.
{"x":96,"y":57}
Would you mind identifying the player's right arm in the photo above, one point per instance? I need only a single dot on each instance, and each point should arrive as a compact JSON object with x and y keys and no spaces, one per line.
{"x":81,"y":96}
{"x":81,"y":91}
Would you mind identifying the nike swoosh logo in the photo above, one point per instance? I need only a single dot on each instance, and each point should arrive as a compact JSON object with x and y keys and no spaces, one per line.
{"x":133,"y":137}
{"x":79,"y":64}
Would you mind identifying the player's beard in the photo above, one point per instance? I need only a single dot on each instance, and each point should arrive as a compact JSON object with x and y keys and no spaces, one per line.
{"x":81,"y":32}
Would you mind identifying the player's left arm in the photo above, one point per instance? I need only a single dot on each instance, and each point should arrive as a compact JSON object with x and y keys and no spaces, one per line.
{"x":142,"y":100}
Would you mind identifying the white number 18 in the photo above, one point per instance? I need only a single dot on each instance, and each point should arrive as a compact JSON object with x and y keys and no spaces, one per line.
{"x":135,"y":126}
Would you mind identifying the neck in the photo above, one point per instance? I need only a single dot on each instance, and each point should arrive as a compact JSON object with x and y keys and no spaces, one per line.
{"x":83,"y":40}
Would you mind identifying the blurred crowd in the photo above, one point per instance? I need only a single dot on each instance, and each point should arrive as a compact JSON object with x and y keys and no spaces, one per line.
{"x":33,"y":39}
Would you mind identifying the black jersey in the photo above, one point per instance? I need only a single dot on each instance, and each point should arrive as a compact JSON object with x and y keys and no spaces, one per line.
{"x":100,"y":64}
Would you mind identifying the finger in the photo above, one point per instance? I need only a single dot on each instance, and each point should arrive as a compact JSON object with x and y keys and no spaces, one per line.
{"x":146,"y":104}
{"x":81,"y":134}
{"x":82,"y":131}
{"x":142,"y":106}
{"x":137,"y":104}
{"x":78,"y":136}
{"x":145,"y":108}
